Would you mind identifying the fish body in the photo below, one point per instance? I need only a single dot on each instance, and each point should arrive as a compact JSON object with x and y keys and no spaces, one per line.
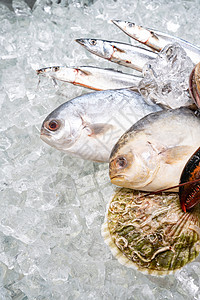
{"x":157,"y":40}
{"x":127,"y":55}
{"x":91,"y":77}
{"x":89,"y":126}
{"x":152,"y":154}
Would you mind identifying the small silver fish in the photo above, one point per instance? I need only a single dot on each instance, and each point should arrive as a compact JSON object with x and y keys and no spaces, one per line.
{"x":89,"y":126}
{"x":91,"y":77}
{"x":157,"y":40}
{"x":127,"y":55}
{"x":152,"y":154}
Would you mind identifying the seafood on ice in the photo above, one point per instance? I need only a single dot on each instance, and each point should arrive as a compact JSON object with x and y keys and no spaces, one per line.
{"x":165,"y":66}
{"x":148,"y":124}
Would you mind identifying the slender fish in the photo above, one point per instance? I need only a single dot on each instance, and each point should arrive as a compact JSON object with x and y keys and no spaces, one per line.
{"x":156,"y":39}
{"x":91,"y":77}
{"x":127,"y":55}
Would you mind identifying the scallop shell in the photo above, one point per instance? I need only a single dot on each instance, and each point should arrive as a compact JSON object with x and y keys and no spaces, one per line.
{"x":152,"y":233}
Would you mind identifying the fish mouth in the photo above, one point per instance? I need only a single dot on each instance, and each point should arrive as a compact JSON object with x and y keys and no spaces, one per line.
{"x":44,"y":134}
{"x":80,"y":41}
{"x":117,"y":179}
{"x":116,"y":176}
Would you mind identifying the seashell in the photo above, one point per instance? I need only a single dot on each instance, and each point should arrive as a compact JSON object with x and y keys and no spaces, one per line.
{"x":151,"y":233}
{"x":194,"y":85}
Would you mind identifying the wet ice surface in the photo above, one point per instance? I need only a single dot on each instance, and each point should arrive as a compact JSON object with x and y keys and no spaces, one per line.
{"x":165,"y":79}
{"x":53,"y":205}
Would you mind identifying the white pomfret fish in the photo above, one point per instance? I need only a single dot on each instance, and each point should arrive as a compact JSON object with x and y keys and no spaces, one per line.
{"x":151,"y":155}
{"x":89,"y":126}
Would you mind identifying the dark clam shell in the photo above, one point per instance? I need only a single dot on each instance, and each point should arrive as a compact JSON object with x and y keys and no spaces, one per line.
{"x":194,"y":85}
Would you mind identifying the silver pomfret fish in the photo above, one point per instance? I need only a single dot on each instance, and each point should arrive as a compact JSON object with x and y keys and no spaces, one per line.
{"x":89,"y":126}
{"x":152,"y":154}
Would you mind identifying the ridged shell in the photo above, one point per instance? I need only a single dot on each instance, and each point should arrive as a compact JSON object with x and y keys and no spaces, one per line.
{"x":151,"y":233}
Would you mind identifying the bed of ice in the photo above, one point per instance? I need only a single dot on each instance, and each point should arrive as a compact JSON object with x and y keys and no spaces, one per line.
{"x":53,"y":205}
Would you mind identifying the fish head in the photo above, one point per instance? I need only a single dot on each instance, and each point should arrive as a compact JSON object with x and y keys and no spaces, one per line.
{"x":58,"y":130}
{"x":99,"y":47}
{"x":131,"y":169}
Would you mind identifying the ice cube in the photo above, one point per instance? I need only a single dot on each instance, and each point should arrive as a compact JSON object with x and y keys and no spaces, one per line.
{"x":21,"y":8}
{"x":166,"y":78}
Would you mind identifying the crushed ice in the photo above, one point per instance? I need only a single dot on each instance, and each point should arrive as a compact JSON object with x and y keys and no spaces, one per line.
{"x":165,"y":79}
{"x":53,"y":205}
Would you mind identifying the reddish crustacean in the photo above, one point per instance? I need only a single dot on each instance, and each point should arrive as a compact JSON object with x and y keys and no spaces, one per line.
{"x":189,"y":194}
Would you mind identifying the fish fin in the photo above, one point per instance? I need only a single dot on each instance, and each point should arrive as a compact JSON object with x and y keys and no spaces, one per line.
{"x":54,"y":82}
{"x":157,"y":148}
{"x":118,"y":49}
{"x":97,"y":129}
{"x":86,"y":73}
{"x":175,"y":154}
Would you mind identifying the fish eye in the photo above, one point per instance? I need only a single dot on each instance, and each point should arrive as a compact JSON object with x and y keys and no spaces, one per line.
{"x":53,"y":125}
{"x":56,"y":69}
{"x":93,"y":42}
{"x":121,"y":162}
